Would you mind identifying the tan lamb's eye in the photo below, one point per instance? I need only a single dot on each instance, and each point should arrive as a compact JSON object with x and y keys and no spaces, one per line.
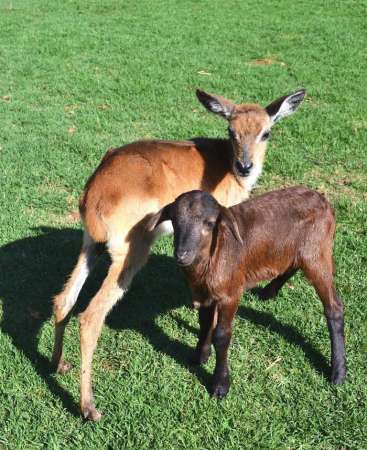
{"x":265,"y":136}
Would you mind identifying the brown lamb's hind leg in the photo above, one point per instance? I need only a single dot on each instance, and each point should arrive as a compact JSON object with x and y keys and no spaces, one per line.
{"x":271,"y":290}
{"x":321,"y":277}
{"x":66,"y":299}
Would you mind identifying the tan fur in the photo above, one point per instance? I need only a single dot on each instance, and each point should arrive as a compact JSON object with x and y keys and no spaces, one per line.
{"x":140,"y":178}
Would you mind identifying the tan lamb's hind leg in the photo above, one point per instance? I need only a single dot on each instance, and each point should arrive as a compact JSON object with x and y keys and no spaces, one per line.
{"x":66,"y":299}
{"x":126,"y":262}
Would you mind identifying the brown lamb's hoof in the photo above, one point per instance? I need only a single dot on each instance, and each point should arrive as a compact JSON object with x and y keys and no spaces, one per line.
{"x":220,"y":389}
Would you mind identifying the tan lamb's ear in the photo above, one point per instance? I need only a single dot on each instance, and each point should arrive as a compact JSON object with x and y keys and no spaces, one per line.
{"x":231,"y":222}
{"x":159,"y":217}
{"x":285,"y":106}
{"x":216,"y":104}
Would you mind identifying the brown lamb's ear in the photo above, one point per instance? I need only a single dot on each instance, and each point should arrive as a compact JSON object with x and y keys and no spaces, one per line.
{"x":216,"y":104}
{"x":231,"y":222}
{"x":159,"y":217}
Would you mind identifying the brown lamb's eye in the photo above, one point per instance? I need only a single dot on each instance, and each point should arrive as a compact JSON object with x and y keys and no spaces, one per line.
{"x":210,"y":224}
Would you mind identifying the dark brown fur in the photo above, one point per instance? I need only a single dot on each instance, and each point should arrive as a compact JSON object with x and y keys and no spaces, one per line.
{"x":281,"y":232}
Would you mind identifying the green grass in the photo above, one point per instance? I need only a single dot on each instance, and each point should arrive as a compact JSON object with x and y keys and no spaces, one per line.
{"x":78,"y":77}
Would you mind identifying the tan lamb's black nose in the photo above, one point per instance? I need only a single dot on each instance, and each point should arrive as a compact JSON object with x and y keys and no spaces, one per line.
{"x":244,"y":169}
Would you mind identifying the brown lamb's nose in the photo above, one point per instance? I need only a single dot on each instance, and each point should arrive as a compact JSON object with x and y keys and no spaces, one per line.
{"x":181,"y":255}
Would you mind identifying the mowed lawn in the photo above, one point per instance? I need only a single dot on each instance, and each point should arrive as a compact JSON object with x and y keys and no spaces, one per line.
{"x":78,"y":77}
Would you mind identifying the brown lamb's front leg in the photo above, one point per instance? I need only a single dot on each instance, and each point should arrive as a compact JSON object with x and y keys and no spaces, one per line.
{"x":207,"y":321}
{"x":221,"y":340}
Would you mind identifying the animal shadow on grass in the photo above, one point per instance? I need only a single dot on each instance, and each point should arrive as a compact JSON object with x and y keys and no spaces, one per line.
{"x":34,"y":269}
{"x":287,"y":332}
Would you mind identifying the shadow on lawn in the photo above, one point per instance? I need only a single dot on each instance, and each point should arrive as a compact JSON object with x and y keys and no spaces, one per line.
{"x":34,"y":270}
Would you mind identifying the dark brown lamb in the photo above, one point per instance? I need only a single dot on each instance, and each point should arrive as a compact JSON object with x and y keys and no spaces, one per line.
{"x":225,"y":250}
